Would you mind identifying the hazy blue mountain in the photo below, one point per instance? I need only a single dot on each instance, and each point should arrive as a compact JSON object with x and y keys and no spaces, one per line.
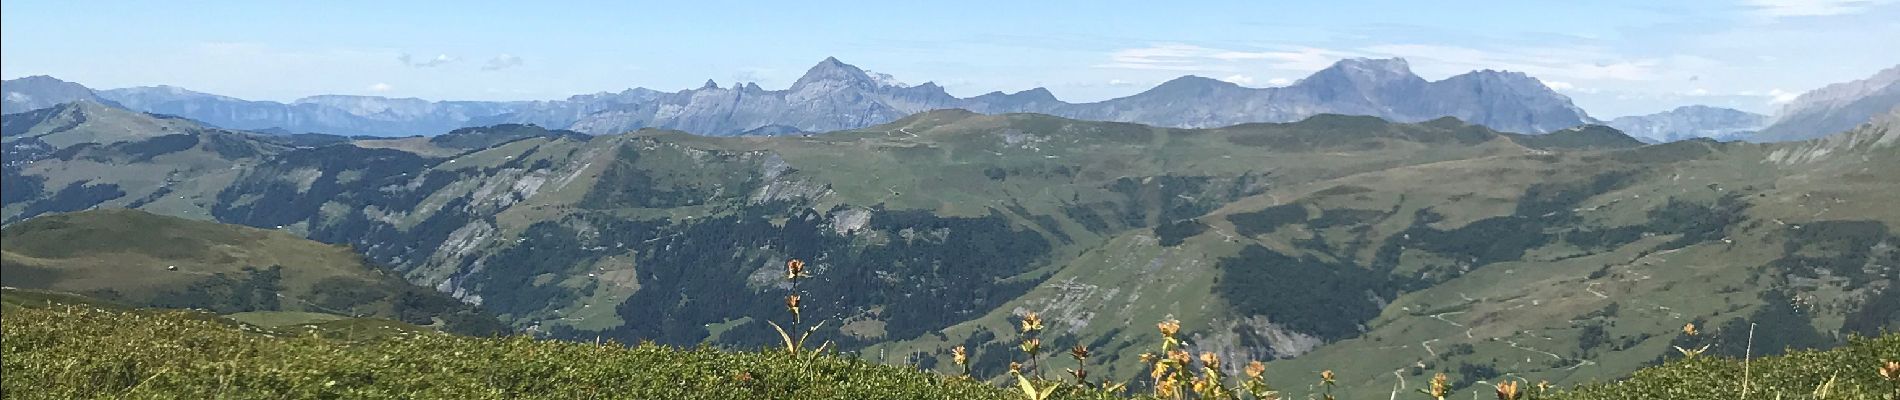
{"x":1689,"y":122}
{"x":833,"y":95}
{"x":1386,"y":88}
{"x":1835,"y":108}
{"x":40,"y":91}
{"x":339,"y":114}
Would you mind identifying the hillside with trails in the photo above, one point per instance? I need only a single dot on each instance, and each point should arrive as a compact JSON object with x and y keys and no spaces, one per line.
{"x":1336,"y":242}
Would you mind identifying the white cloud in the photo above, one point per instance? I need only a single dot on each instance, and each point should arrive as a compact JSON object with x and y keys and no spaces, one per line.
{"x":438,"y":60}
{"x":1568,"y":63}
{"x":1279,"y":82}
{"x":1810,"y":8}
{"x":1780,"y":96}
{"x":1559,"y":85}
{"x":1187,"y":57}
{"x":1238,"y":79}
{"x":1172,"y":57}
{"x":502,"y":61}
{"x":380,"y":87}
{"x":1118,"y":82}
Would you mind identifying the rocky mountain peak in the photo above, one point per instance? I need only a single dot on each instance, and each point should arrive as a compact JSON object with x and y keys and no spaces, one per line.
{"x":835,"y":73}
{"x":1373,"y":71}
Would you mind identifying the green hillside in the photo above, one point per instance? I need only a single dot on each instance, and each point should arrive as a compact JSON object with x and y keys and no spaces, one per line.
{"x":62,"y":350}
{"x":262,"y":276}
{"x":68,"y":347}
{"x":80,"y":155}
{"x":1383,"y":251}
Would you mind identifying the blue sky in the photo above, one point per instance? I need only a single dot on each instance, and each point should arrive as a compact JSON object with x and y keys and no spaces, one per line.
{"x":1613,"y":57}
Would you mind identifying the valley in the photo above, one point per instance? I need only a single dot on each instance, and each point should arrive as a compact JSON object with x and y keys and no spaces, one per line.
{"x":1383,"y":251}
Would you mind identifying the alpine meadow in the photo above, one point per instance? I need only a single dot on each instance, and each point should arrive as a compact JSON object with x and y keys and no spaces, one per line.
{"x":1410,"y":208}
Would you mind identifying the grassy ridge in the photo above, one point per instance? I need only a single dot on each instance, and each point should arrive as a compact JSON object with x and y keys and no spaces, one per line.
{"x":83,"y":351}
{"x":272,"y":277}
{"x":1848,"y":372}
{"x":61,"y":347}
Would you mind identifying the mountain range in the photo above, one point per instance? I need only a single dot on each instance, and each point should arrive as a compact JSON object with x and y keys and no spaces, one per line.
{"x":833,"y":95}
{"x":1835,"y":108}
{"x":1339,"y":242}
{"x":1689,"y":122}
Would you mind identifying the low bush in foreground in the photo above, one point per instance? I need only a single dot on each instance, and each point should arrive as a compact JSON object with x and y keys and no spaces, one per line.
{"x":63,"y":351}
{"x":85,"y":352}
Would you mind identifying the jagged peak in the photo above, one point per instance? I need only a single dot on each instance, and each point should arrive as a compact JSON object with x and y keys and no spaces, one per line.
{"x":1372,"y":67}
{"x":832,"y":70}
{"x":1394,"y":65}
{"x":1363,"y":71}
{"x":1499,"y":76}
{"x":709,"y":85}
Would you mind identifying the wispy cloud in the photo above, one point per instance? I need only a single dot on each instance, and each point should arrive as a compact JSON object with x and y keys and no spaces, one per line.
{"x":1187,"y":57}
{"x":501,"y":62}
{"x":438,"y":60}
{"x":1779,"y":96}
{"x":380,"y":87}
{"x":1239,"y":79}
{"x":1566,"y":63}
{"x":1810,"y":8}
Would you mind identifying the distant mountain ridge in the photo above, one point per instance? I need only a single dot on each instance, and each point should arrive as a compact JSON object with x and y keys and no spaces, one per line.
{"x":1689,"y":122}
{"x":41,"y":91}
{"x":833,"y":95}
{"x":1835,"y":108}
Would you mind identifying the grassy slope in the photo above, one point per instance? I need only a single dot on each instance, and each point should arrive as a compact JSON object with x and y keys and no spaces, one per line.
{"x":65,"y":346}
{"x":1849,"y":372}
{"x":63,"y":352}
{"x":1525,"y":317}
{"x":126,"y":255}
{"x":98,"y":145}
{"x":939,"y":161}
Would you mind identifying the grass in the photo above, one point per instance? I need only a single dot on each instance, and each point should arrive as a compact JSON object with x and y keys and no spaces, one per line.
{"x":282,"y":318}
{"x":68,"y":347}
{"x":145,"y":259}
{"x":70,"y":352}
{"x":1093,"y":288}
{"x":1848,"y":372}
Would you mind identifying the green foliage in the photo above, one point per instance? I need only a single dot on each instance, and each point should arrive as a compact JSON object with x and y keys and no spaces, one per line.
{"x":151,"y":260}
{"x":1328,"y":299}
{"x":1853,"y":370}
{"x":65,"y":352}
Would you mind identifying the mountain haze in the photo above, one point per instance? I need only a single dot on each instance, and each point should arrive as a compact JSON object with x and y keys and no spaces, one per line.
{"x":40,"y":91}
{"x":1335,"y":242}
{"x":1689,"y":122}
{"x":833,"y":95}
{"x":1835,"y":108}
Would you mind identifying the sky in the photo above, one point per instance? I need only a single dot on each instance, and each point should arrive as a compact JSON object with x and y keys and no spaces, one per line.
{"x":1612,"y":57}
